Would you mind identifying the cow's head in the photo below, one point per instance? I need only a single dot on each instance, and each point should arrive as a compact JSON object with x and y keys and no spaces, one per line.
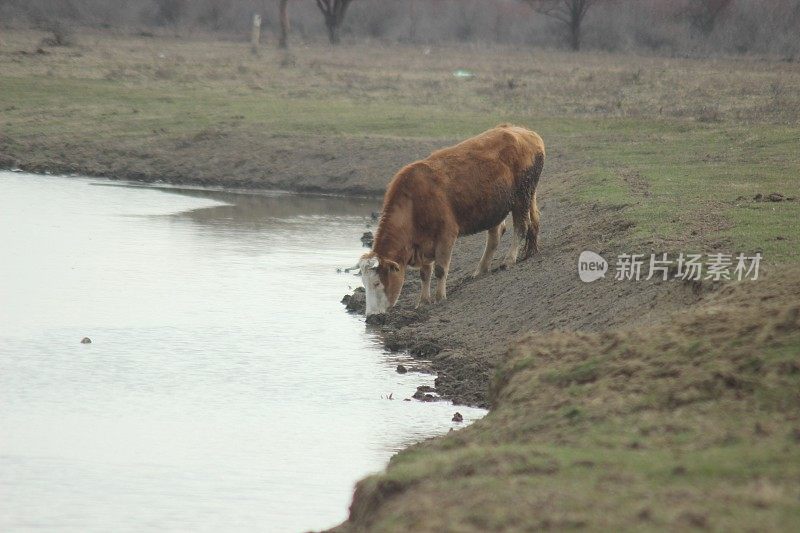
{"x":382,"y":279}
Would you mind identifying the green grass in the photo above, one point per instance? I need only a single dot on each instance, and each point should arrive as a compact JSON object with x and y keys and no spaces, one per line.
{"x":89,"y":107}
{"x":699,"y":179}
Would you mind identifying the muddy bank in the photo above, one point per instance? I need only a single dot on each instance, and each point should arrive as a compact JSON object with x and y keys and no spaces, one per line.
{"x":466,"y":337}
{"x":225,"y":156}
{"x":686,"y":424}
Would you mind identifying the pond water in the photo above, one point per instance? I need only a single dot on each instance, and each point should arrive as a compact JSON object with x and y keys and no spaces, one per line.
{"x":225,"y":387}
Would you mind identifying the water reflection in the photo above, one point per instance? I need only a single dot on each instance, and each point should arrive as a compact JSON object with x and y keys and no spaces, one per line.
{"x":254,"y":211}
{"x":225,"y":387}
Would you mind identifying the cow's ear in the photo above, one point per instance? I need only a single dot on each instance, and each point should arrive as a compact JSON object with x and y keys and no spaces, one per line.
{"x":368,"y":261}
{"x":393,"y":267}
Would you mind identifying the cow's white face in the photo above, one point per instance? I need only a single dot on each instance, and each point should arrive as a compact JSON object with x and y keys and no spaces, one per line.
{"x":377,"y":302}
{"x":383,"y":280}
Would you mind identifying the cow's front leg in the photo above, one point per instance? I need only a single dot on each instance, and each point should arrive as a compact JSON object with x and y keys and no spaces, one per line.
{"x":443,"y":252}
{"x":425,"y":291}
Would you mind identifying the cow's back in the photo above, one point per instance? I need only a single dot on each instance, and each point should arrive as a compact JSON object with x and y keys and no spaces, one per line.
{"x":480,"y":176}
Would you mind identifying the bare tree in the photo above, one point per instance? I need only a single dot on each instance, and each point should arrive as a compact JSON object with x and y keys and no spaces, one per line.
{"x":283,"y":41}
{"x":569,"y":13}
{"x":704,"y":14}
{"x":334,"y":12}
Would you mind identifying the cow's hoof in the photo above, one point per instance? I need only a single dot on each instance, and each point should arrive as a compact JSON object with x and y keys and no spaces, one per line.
{"x":509,"y":262}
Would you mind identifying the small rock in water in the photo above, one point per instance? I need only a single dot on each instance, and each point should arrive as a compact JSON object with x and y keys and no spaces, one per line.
{"x":86,"y":340}
{"x":401,"y":369}
{"x":375,"y":215}
{"x":367,"y":238}
{"x":457,"y":417}
{"x":423,"y":397}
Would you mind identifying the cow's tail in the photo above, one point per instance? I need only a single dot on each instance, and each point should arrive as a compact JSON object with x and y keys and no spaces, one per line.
{"x":532,"y":237}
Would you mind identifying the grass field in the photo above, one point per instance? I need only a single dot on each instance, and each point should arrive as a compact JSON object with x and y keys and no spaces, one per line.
{"x":688,"y":424}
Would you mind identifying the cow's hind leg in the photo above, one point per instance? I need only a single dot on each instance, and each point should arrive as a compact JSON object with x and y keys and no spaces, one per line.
{"x":522,"y":224}
{"x":492,"y":240}
{"x":532,"y":240}
{"x":443,"y":252}
{"x":425,"y":291}
{"x":532,"y":176}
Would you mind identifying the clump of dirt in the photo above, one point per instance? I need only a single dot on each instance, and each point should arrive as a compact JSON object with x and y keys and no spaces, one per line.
{"x":367,"y":239}
{"x":357,"y":301}
{"x":772,"y":197}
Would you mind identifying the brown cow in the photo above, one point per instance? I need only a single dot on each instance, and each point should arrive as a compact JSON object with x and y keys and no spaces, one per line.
{"x":460,"y":190}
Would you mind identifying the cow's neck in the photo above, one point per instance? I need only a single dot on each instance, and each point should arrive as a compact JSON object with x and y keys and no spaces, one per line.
{"x":394,"y":234}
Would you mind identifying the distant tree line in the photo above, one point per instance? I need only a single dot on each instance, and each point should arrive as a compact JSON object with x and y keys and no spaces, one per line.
{"x":676,"y":27}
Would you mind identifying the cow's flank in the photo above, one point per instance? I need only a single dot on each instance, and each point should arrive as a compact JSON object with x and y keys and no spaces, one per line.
{"x":464,"y":189}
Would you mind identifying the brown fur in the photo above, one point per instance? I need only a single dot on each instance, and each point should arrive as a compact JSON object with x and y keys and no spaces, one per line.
{"x":464,"y":189}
